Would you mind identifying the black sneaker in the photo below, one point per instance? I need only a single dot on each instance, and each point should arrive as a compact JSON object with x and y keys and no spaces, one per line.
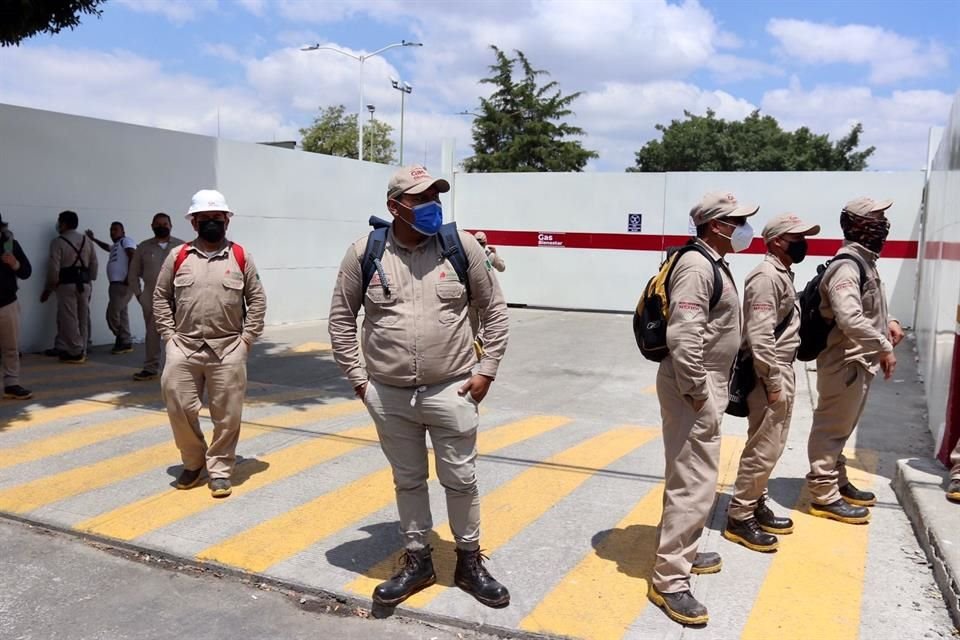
{"x":854,"y":496}
{"x":77,"y":359}
{"x":52,"y":353}
{"x":769,"y":521}
{"x":16,"y":392}
{"x":416,"y":574}
{"x":706,"y":563}
{"x":220,"y":488}
{"x":841,"y":511}
{"x":749,"y":534}
{"x":953,"y":490}
{"x":682,"y":607}
{"x":473,"y":577}
{"x":189,"y":478}
{"x":121,"y":348}
{"x":142,"y":376}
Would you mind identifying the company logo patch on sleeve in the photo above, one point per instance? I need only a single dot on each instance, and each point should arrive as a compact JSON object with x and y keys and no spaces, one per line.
{"x":688,"y":310}
{"x":843,"y":284}
{"x":762,"y":307}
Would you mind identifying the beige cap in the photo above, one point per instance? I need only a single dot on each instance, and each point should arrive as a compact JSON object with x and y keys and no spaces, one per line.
{"x":788,"y":223}
{"x":414,"y":179}
{"x":481,"y":237}
{"x":720,"y":204}
{"x":867,"y":207}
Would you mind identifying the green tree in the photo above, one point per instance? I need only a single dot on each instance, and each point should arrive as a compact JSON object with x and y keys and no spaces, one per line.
{"x":521,"y":126}
{"x":21,"y":19}
{"x":335,"y":134}
{"x":756,"y":143}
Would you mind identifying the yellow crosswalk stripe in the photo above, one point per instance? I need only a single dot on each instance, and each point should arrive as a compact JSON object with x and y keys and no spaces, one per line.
{"x":814,"y":585}
{"x":520,"y":502}
{"x":36,"y":417}
{"x":275,"y":540}
{"x":309,"y":347}
{"x":86,"y":436}
{"x":32,"y":495}
{"x":604,"y":593}
{"x":164,"y":508}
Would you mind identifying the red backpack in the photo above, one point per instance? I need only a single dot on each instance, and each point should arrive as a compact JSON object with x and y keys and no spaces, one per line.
{"x":237,"y":250}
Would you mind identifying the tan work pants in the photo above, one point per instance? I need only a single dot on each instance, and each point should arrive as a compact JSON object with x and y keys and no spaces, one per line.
{"x":955,"y":462}
{"x":10,"y":343}
{"x":117,"y":317}
{"x":182,"y":384}
{"x":691,"y":446}
{"x":404,"y":417}
{"x":766,"y":440}
{"x":843,"y":394}
{"x":152,"y":342}
{"x":73,"y":318}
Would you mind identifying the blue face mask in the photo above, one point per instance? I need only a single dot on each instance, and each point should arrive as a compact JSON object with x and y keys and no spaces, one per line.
{"x":427,"y":218}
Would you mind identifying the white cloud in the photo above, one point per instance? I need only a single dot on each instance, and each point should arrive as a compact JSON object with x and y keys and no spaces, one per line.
{"x":176,"y":11}
{"x":890,"y":56}
{"x":897,"y":124}
{"x":223,"y":51}
{"x":256,"y":7}
{"x":729,"y":69}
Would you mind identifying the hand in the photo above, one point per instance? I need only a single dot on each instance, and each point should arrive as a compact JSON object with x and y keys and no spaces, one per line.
{"x":89,"y":234}
{"x":44,"y":296}
{"x":773,"y":398}
{"x":888,"y":363}
{"x":9,"y":260}
{"x":699,"y":404}
{"x":361,"y":391}
{"x":896,"y":332}
{"x":477,"y":386}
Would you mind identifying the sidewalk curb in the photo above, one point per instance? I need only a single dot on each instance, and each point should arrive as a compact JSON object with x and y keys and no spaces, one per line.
{"x":919,"y":487}
{"x":141,"y":553}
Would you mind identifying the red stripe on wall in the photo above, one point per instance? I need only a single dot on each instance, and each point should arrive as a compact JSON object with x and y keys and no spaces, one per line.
{"x":904,"y":249}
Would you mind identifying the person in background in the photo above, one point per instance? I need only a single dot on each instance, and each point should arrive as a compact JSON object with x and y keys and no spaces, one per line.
{"x":121,"y":252}
{"x":14,"y":266}
{"x":495,"y":260}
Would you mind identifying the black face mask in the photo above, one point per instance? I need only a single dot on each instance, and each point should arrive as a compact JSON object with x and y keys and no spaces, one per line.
{"x":213,"y":230}
{"x":797,"y":250}
{"x":161,"y":232}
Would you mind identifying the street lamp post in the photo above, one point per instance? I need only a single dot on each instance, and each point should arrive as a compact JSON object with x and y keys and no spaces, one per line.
{"x":404,"y":88}
{"x":371,"y":108}
{"x":361,"y":59}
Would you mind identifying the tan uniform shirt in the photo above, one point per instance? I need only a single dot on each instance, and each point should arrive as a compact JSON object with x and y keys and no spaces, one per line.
{"x":146,"y":263}
{"x":769,"y":297}
{"x":701,"y":340}
{"x":496,"y":260}
{"x":202,"y":304}
{"x":62,"y":255}
{"x":419,"y":333}
{"x":861,"y":334}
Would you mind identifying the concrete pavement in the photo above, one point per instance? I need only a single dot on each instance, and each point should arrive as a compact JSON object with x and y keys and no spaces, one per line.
{"x":570,"y":471}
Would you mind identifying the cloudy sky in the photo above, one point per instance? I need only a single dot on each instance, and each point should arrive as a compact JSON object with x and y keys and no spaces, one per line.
{"x":893,"y":65}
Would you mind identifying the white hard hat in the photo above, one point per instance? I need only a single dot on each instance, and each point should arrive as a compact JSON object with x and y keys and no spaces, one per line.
{"x":208,"y":200}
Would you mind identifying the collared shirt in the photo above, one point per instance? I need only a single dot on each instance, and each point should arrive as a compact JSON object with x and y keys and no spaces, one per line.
{"x":63,"y":255}
{"x":203,"y":303}
{"x":702,"y":341}
{"x":861,"y":333}
{"x":418,"y":332}
{"x":146,"y":263}
{"x":119,"y":263}
{"x":769,"y":296}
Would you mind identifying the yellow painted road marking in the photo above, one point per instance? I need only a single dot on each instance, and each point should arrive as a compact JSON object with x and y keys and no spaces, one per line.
{"x":604,"y":594}
{"x":84,"y":437}
{"x":35,"y":417}
{"x":49,"y":489}
{"x":275,"y":540}
{"x":652,"y":389}
{"x":309,"y":347}
{"x":164,"y":508}
{"x":520,"y":502}
{"x":815,"y":582}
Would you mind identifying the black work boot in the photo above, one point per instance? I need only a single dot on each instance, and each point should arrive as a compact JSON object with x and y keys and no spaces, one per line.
{"x":473,"y":577}
{"x":841,"y":511}
{"x":749,"y":534}
{"x":682,"y":607}
{"x":854,"y":496}
{"x":707,"y":562}
{"x":416,"y":573}
{"x":769,"y":521}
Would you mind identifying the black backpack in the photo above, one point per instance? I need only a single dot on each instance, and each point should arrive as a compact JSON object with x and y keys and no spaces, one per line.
{"x":743,"y":377}
{"x":814,"y":328}
{"x":450,"y":245}
{"x":653,"y":310}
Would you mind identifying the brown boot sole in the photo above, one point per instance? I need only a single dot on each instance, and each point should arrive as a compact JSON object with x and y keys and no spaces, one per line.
{"x":493,"y":604}
{"x":705,"y":571}
{"x":661,"y":602}
{"x":10,"y":396}
{"x":196,"y":483}
{"x":394,"y":602}
{"x":814,"y":511}
{"x":955,"y":497}
{"x":732,"y":537}
{"x":859,"y":503}
{"x":777,"y":532}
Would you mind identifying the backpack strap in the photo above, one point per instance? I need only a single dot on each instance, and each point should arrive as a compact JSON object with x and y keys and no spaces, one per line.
{"x":77,"y":260}
{"x":717,"y":278}
{"x":452,"y":249}
{"x":181,"y":256}
{"x":240,"y":256}
{"x":863,"y":269}
{"x":370,"y":263}
{"x":780,"y":328}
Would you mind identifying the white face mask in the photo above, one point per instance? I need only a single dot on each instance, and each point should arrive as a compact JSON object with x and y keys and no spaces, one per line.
{"x":742,"y":236}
